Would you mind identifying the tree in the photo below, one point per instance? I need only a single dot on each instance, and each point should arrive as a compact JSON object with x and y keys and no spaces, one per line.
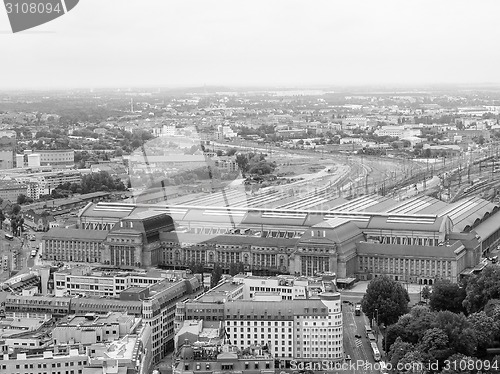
{"x":453,"y":365}
{"x":484,"y":328}
{"x":21,"y":199}
{"x":411,"y":326}
{"x":481,"y":288}
{"x":216,"y":276}
{"x":434,"y":345}
{"x":387,"y":298}
{"x":447,"y":296}
{"x":398,"y":350}
{"x":236,"y":268}
{"x":2,"y":218}
{"x":196,"y":268}
{"x":16,"y":209}
{"x":242,"y":162}
{"x":426,"y":293}
{"x":412,"y":363}
{"x":460,"y":335}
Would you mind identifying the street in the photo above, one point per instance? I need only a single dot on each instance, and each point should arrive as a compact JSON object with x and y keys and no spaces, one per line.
{"x":358,"y":349}
{"x":22,"y":247}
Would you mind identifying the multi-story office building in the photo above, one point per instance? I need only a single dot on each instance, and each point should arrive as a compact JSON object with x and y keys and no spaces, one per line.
{"x":93,"y":328}
{"x":154,"y":301}
{"x":287,"y":287}
{"x":308,"y":327}
{"x":59,"y":157}
{"x":48,"y":180}
{"x":61,"y":244}
{"x":130,"y":353}
{"x":107,"y":282}
{"x":37,"y":306}
{"x":72,"y":362}
{"x":158,"y":309}
{"x":217,"y":358}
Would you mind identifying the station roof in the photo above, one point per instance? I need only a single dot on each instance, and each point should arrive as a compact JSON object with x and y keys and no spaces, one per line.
{"x":418,"y":205}
{"x":409,"y":223}
{"x":469,"y":212}
{"x":75,"y":234}
{"x":401,"y":251}
{"x":107,"y":210}
{"x":487,"y":228}
{"x":367,"y":203}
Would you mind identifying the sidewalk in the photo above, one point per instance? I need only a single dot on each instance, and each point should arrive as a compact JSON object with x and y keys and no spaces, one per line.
{"x":361,"y":286}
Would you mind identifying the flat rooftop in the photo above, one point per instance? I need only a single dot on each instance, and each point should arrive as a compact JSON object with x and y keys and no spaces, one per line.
{"x":91,"y":319}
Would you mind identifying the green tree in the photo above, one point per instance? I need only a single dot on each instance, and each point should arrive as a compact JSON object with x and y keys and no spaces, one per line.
{"x":16,"y":209}
{"x":2,"y":218}
{"x":196,"y":268}
{"x":485,"y":330}
{"x":434,"y":345}
{"x":460,"y":335}
{"x":242,"y":162}
{"x":413,"y":363}
{"x":236,"y":268}
{"x":447,"y":296}
{"x":398,"y":350}
{"x":426,"y":293}
{"x":216,"y":276}
{"x":411,"y":326}
{"x":387,"y":298}
{"x":452,"y":365}
{"x":21,"y":199}
{"x":481,"y":288}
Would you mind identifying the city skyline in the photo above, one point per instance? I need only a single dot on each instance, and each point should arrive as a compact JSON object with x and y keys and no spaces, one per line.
{"x":281,"y":44}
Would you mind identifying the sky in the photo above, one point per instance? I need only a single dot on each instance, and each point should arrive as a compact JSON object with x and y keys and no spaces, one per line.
{"x":286,"y":43}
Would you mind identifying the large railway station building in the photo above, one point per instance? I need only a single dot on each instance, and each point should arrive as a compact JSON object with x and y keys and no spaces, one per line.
{"x":419,"y":240}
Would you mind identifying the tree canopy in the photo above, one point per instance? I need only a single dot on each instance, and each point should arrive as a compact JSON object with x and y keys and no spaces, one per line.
{"x":447,"y":296}
{"x":101,"y":181}
{"x":386,"y":297}
{"x":481,"y":288}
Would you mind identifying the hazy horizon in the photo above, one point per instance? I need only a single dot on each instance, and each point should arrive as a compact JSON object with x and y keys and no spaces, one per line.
{"x":233,"y":43}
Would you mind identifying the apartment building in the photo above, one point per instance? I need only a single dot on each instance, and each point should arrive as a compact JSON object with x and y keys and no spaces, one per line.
{"x":10,"y":190}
